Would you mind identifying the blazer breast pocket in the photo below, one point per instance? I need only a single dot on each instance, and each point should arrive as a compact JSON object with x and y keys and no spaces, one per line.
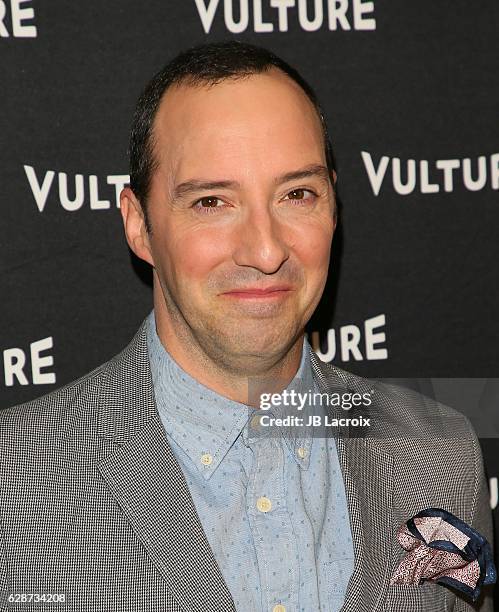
{"x":426,"y":597}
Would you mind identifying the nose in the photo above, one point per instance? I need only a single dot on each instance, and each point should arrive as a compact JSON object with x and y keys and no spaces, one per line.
{"x":260,"y":242}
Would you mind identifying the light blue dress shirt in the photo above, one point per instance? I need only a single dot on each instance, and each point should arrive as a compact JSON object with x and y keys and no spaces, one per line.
{"x":273,"y":507}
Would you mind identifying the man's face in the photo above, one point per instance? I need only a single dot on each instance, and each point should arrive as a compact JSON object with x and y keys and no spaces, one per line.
{"x":242,"y":262}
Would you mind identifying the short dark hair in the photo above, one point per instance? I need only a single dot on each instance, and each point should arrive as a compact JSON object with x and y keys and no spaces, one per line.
{"x":207,"y":63}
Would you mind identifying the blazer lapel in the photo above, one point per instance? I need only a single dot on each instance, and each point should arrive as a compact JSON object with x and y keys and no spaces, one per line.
{"x":367,"y":474}
{"x":148,"y":484}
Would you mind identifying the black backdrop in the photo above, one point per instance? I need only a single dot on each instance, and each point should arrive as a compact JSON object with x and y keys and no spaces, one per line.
{"x":411,"y":95}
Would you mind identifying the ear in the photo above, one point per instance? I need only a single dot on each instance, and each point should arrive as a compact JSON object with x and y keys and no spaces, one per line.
{"x":335,"y":203}
{"x":134,"y":225}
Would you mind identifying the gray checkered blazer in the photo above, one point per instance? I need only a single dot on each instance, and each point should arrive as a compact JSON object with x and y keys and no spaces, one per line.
{"x":93,"y":504}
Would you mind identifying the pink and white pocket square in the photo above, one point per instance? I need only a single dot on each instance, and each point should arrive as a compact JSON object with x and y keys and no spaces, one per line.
{"x":442,"y":548}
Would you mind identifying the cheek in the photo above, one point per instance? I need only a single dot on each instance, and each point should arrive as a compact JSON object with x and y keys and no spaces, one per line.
{"x":196,"y":254}
{"x":312,"y":244}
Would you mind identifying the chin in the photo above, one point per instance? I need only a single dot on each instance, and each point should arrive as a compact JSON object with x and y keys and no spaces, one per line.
{"x":274,"y":342}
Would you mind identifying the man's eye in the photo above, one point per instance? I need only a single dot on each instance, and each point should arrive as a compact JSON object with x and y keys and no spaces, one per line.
{"x":298,"y":195}
{"x":208,"y":204}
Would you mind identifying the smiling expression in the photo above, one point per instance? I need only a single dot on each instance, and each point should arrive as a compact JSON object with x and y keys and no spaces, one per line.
{"x":241,"y":209}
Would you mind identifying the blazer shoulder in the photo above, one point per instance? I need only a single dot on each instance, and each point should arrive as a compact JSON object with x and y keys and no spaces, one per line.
{"x":47,"y":414}
{"x":399,"y":411}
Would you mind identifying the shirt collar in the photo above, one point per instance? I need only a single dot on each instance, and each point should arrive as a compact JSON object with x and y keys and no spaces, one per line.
{"x":206,"y":424}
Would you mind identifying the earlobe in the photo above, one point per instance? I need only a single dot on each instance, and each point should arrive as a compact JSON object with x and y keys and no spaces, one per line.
{"x":134,"y":225}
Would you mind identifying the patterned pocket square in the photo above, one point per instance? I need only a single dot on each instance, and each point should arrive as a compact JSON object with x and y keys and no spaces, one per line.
{"x":442,"y":548}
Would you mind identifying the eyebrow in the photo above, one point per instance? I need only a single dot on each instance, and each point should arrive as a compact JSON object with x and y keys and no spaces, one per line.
{"x":195,"y":185}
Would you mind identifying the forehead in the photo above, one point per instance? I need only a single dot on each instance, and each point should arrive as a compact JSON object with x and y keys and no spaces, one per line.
{"x":263,"y":118}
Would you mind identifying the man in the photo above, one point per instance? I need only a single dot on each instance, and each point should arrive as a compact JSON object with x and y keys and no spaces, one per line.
{"x":141,"y":486}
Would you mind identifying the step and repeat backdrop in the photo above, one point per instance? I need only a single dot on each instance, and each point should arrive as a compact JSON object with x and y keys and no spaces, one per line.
{"x":411,"y":97}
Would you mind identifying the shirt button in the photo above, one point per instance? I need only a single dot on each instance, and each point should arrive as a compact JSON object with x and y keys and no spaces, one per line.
{"x":206,"y":459}
{"x":302,"y":452}
{"x":264,"y":505}
{"x":279,"y":608}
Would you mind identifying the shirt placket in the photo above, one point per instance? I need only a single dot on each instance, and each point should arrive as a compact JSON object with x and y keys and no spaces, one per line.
{"x":270,"y":523}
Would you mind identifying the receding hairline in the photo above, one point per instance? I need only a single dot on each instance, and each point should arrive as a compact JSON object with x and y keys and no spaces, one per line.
{"x":195,"y":80}
{"x":190,"y":81}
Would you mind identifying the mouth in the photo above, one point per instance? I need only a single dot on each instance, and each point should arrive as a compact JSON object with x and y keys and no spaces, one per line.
{"x":275,"y":292}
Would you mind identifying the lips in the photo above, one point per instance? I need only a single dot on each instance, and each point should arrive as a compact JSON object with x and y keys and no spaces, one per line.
{"x":259,"y":291}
